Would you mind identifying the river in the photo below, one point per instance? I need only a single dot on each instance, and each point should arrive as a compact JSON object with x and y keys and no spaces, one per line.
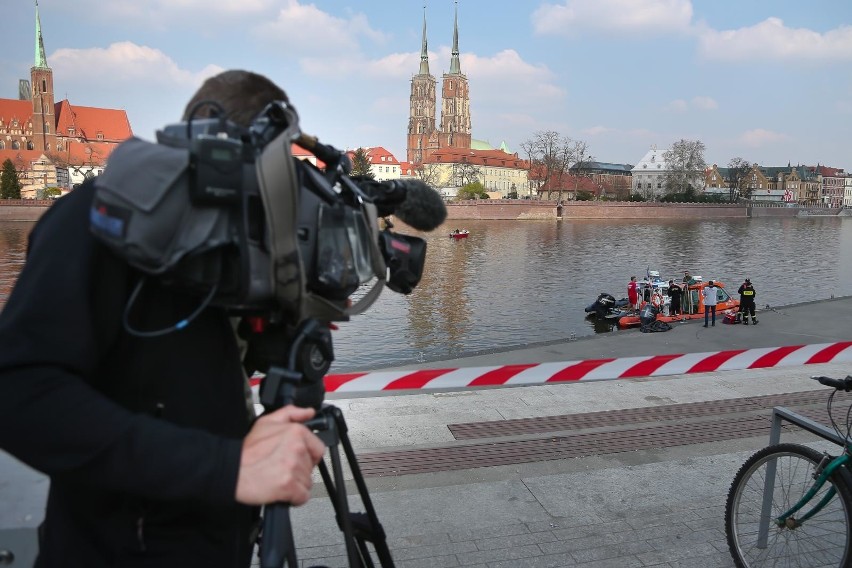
{"x":514,"y":283}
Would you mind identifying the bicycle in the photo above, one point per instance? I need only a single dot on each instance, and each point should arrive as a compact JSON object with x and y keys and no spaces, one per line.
{"x":791,"y":505}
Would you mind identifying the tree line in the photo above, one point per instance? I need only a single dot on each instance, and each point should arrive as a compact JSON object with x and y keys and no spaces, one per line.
{"x":558,"y":161}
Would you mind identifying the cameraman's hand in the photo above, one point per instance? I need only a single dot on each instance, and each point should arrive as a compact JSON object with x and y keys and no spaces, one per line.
{"x":278,"y":457}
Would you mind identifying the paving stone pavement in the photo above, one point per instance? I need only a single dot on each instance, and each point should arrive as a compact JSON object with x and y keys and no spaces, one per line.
{"x":657,"y":507}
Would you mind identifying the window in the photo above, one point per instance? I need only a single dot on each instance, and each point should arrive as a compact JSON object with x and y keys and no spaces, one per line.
{"x":16,"y":145}
{"x":30,"y":146}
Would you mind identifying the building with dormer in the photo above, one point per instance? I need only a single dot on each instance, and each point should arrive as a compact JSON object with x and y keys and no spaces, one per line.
{"x":383,"y":164}
{"x":55,"y":144}
{"x":648,"y":175}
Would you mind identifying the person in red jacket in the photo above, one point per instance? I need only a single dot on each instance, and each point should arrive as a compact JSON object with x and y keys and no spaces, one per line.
{"x":153,"y":451}
{"x":633,"y":293}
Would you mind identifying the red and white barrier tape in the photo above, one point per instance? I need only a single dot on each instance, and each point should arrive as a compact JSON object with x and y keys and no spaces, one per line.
{"x":590,"y":369}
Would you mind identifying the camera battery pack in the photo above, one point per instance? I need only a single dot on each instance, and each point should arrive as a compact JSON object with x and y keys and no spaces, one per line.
{"x":217,"y":170}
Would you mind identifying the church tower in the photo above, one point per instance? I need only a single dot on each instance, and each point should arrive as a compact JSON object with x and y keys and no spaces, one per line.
{"x":421,"y":121}
{"x":455,"y":100}
{"x":44,"y":118}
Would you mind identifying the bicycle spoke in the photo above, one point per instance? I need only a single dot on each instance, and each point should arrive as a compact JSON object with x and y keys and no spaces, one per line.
{"x":821,"y":540}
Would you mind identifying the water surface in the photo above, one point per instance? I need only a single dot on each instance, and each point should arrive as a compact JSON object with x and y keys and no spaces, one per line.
{"x":520,"y":282}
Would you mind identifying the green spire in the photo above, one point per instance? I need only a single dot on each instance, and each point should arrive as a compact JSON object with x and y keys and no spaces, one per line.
{"x":40,"y":59}
{"x":424,"y":52}
{"x":455,"y":65}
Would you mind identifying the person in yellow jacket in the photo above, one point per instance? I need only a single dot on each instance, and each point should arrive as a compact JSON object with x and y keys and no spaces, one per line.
{"x":747,"y":295}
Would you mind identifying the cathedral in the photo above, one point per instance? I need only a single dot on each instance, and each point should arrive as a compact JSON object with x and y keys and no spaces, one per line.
{"x":55,"y":144}
{"x":424,"y":138}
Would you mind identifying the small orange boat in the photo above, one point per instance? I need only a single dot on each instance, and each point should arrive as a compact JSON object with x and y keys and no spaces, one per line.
{"x":692,"y":305}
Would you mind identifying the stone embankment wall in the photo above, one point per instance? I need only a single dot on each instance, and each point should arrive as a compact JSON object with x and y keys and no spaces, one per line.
{"x":522,"y":209}
{"x":502,"y":209}
{"x":630,"y":210}
{"x":23,"y":209}
{"x":528,"y":209}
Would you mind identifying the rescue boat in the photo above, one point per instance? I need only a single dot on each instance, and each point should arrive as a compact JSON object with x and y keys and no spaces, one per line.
{"x":692,"y":305}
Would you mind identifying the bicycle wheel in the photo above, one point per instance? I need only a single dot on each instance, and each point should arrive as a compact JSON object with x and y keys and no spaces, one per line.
{"x":823,"y":540}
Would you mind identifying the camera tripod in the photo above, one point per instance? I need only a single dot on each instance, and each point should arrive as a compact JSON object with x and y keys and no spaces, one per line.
{"x":280,"y":387}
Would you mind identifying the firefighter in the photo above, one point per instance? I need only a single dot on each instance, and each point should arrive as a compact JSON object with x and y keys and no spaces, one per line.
{"x":747,"y":295}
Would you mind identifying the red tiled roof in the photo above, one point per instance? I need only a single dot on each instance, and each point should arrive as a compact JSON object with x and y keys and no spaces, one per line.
{"x":21,"y":157}
{"x":476,"y":157}
{"x":88,"y":122}
{"x":85,"y":153}
{"x":376,"y":153}
{"x":11,"y":109}
{"x":300,"y":153}
{"x":566,"y":182}
{"x":826,"y":171}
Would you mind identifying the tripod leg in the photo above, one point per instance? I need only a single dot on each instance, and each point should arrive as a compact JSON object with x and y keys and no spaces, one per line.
{"x":341,"y":504}
{"x":277,"y":543}
{"x":376,"y":531}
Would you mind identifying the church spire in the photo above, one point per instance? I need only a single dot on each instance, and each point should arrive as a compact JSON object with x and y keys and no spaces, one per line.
{"x":455,"y":66}
{"x":424,"y":51}
{"x":40,"y":58}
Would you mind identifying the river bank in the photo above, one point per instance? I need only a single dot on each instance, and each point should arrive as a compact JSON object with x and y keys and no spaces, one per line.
{"x":524,"y":209}
{"x":527,"y":209}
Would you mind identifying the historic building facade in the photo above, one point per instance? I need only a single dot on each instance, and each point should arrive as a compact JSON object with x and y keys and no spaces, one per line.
{"x":55,"y":144}
{"x":441,"y":150}
{"x":425,"y":133}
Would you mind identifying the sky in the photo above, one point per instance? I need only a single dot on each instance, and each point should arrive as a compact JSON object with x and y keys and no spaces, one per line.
{"x":769,"y":81}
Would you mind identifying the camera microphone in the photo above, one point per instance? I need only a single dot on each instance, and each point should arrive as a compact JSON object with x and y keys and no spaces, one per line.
{"x":423,"y":208}
{"x":413,"y":202}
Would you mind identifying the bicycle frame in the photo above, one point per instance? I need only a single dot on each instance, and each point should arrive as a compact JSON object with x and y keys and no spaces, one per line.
{"x":779,"y":414}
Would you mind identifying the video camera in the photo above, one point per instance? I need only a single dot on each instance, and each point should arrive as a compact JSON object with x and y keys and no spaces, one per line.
{"x":228,"y":212}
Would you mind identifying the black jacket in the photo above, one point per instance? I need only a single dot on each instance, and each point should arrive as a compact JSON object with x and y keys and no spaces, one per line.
{"x":141,"y":438}
{"x":747,"y":294}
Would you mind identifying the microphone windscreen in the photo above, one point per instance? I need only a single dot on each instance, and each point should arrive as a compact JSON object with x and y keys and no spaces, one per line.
{"x":423,"y":208}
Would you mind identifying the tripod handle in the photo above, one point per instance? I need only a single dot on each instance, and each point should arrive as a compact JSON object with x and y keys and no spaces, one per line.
{"x":276,"y":543}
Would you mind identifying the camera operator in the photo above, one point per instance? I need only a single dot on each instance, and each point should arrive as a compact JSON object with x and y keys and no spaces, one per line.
{"x":153,"y":451}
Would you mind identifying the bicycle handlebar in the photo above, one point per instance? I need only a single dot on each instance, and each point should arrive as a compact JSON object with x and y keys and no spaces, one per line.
{"x":839,"y":384}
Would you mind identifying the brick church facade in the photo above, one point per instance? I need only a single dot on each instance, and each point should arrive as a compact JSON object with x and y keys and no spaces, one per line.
{"x":55,"y":144}
{"x":425,"y":135}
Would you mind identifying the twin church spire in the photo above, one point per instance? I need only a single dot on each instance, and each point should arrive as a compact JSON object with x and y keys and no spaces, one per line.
{"x":424,"y":138}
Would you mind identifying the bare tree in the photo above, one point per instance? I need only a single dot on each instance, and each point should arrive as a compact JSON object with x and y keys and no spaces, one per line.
{"x":429,"y":173}
{"x":738,"y":171}
{"x":685,"y":167}
{"x":551,"y":155}
{"x":465,"y":173}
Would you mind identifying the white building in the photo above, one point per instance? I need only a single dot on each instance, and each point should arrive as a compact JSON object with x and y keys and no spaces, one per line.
{"x":383,"y":164}
{"x":649,"y":174}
